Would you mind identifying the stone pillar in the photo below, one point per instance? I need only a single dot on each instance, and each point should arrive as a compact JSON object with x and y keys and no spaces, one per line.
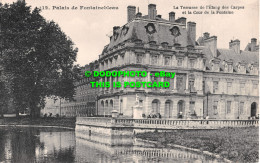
{"x":162,"y":108}
{"x":147,"y":60}
{"x":146,"y":104}
{"x":175,"y":109}
{"x":187,"y":82}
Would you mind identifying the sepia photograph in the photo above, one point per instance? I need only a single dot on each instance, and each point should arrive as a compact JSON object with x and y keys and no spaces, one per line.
{"x":129,"y":81}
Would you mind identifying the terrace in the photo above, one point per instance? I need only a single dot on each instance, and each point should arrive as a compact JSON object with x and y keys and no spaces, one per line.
{"x":164,"y":124}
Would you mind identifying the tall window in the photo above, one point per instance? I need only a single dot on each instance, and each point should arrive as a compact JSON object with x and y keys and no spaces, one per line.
{"x":191,"y":85}
{"x":180,"y":82}
{"x":192,"y":63}
{"x":115,"y":62}
{"x":241,"y":107}
{"x":228,"y":107}
{"x":139,"y":58}
{"x":138,"y":79}
{"x":154,"y":79}
{"x":229,"y":87}
{"x":192,"y":107}
{"x":155,"y":106}
{"x":110,"y":62}
{"x":106,"y":64}
{"x":167,"y":79}
{"x":215,"y":86}
{"x":242,"y":88}
{"x":255,"y":85}
{"x":108,"y":80}
{"x":203,"y":86}
{"x":215,"y":107}
{"x":179,"y":61}
{"x":167,"y":61}
{"x":154,"y":59}
{"x":122,"y":58}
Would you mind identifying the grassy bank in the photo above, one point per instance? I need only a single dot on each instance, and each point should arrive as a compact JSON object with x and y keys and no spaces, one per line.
{"x":49,"y":121}
{"x":236,"y":144}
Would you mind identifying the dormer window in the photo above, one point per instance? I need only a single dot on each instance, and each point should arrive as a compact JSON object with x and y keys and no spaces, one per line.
{"x":125,"y":30}
{"x":175,"y":31}
{"x":111,"y":60}
{"x":192,"y":63}
{"x":154,"y":59}
{"x":152,"y":44}
{"x":179,"y":62}
{"x":138,"y":42}
{"x":167,"y":60}
{"x":230,"y":68}
{"x":116,"y":34}
{"x":150,"y":28}
{"x":139,"y":58}
{"x":251,"y":67}
{"x":165,"y":45}
{"x":106,"y":61}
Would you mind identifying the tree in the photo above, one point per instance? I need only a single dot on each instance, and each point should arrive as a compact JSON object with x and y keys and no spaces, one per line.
{"x":4,"y":93}
{"x":38,"y":55}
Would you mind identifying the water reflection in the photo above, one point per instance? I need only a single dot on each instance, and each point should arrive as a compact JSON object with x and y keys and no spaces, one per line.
{"x":36,"y":145}
{"x":139,"y":152}
{"x":59,"y":145}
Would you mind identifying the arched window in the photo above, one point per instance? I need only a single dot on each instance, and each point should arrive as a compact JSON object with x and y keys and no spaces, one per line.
{"x":155,"y":106}
{"x":168,"y":109}
{"x":253,"y":109}
{"x":181,"y":109}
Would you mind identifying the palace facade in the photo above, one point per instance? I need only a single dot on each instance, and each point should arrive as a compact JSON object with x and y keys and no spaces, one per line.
{"x":209,"y":82}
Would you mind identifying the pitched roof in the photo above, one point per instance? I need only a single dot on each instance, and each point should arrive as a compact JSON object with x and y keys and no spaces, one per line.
{"x":248,"y":57}
{"x":137,"y":31}
{"x":157,"y":18}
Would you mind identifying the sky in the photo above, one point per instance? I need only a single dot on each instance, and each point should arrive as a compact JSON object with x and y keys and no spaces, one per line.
{"x":89,"y":29}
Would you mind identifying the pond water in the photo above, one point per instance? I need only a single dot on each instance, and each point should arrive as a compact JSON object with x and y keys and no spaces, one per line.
{"x":25,"y":145}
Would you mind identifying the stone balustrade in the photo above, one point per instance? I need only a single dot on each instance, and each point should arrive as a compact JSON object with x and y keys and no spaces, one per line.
{"x":95,"y":121}
{"x":164,"y":123}
{"x":190,"y":124}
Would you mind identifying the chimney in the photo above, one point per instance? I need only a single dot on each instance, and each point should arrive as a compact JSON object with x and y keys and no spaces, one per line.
{"x":115,"y":28}
{"x":211,"y":43}
{"x":192,"y":31}
{"x":131,"y":10}
{"x":235,"y":45}
{"x":158,"y":16}
{"x":139,"y":15}
{"x":152,"y":11}
{"x":253,"y":44}
{"x":181,"y":20}
{"x":172,"y":17}
{"x":205,"y":35}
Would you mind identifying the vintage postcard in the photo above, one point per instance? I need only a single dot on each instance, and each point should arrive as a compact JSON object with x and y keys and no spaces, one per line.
{"x":129,"y":81}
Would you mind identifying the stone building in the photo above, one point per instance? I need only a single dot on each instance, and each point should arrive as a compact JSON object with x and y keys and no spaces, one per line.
{"x":230,"y":80}
{"x":209,"y":82}
{"x":84,"y":103}
{"x":85,"y":97}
